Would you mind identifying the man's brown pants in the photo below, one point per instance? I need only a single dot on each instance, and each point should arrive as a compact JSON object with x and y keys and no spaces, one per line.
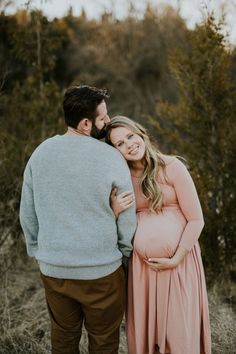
{"x":99,"y":304}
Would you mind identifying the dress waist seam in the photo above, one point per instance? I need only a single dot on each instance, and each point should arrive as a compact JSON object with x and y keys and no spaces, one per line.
{"x":171,"y":207}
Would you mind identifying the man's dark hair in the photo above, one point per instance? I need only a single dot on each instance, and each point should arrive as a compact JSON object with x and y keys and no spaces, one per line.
{"x":81,"y":102}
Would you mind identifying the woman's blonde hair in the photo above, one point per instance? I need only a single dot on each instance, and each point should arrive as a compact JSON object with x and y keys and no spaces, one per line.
{"x":152,"y":160}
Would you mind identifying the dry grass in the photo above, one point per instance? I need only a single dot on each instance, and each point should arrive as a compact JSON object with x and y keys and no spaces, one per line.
{"x":25,"y":323}
{"x":223,"y":319}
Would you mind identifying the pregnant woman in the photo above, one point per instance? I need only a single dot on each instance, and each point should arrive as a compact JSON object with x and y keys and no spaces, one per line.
{"x":167,"y":310}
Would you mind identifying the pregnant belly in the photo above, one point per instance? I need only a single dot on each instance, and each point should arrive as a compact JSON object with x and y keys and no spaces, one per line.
{"x":158,"y":235}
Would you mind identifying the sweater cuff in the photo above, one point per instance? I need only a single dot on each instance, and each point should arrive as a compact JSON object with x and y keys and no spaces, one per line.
{"x":31,"y":250}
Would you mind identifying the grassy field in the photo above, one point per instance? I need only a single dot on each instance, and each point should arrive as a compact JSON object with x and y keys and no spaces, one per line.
{"x":25,"y":323}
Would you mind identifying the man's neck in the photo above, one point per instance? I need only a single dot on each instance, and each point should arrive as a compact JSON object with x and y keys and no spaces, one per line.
{"x":75,"y":131}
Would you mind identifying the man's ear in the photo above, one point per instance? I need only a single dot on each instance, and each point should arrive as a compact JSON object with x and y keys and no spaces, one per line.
{"x":85,"y":126}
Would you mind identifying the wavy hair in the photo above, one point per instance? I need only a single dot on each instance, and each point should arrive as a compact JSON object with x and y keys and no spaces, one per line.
{"x":152,"y":160}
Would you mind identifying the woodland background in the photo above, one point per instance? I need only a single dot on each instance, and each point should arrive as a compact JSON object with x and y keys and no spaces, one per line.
{"x":179,"y":83}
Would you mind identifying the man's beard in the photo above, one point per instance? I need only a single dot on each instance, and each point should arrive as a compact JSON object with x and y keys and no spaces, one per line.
{"x":98,"y":133}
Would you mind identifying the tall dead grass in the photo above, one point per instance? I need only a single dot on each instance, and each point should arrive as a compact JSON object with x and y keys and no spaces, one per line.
{"x":24,"y":321}
{"x":25,"y":327}
{"x":223,"y":318}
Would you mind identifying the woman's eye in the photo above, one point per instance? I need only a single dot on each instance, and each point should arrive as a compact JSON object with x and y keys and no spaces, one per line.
{"x":130,"y":136}
{"x":120,"y":144}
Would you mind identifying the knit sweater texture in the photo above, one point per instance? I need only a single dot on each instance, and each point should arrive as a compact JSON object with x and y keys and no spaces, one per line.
{"x":65,"y":210}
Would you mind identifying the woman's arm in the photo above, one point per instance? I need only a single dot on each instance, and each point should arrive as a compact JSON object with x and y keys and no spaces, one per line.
{"x":189,"y":204}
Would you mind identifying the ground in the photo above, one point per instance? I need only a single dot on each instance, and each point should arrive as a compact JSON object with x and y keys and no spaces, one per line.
{"x":25,"y":327}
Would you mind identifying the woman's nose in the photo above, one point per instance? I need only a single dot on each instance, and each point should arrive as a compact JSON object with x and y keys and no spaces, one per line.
{"x":129,"y":144}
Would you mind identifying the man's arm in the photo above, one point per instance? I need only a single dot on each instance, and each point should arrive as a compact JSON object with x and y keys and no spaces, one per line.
{"x":28,"y":217}
{"x":126,"y":221}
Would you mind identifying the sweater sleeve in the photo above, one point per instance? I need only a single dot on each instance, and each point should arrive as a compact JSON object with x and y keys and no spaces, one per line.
{"x":126,"y":222}
{"x":28,"y":217}
{"x":189,"y":203}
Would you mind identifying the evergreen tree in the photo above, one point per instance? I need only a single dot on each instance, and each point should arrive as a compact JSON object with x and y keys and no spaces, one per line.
{"x":202,"y":126}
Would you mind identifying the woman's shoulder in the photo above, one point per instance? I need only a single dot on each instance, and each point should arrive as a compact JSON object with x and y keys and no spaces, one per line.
{"x":169,"y":159}
{"x":174,"y":167}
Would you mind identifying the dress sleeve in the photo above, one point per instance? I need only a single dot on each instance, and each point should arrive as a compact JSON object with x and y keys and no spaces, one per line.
{"x":188,"y":201}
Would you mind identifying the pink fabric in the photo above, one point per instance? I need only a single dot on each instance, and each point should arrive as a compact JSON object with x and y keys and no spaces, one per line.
{"x":169,"y":308}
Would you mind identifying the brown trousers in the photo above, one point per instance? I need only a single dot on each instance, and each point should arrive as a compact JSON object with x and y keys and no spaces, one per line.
{"x":99,"y":304}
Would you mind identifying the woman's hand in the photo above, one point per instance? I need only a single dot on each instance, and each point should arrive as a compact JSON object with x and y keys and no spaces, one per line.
{"x":160,"y":264}
{"x":121,"y":202}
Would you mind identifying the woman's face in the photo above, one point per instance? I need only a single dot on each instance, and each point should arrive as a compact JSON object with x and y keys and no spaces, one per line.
{"x":130,"y":144}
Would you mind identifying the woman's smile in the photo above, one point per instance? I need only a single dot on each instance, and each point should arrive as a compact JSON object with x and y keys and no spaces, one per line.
{"x":130,"y":144}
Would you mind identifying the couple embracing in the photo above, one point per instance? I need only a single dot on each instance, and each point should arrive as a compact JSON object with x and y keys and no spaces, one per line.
{"x":80,"y":223}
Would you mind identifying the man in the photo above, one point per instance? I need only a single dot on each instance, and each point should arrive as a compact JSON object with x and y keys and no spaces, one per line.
{"x":71,"y":229}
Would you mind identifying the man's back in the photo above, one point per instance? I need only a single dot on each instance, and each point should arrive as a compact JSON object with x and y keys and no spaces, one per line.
{"x":73,"y":232}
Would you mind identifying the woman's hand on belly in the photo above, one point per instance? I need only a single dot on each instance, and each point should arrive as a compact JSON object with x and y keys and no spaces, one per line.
{"x":159,"y":264}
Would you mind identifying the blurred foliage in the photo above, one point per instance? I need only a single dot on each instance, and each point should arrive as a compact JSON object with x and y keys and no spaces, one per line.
{"x":180,"y":83}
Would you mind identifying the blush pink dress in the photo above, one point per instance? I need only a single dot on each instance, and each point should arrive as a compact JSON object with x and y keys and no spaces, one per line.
{"x":169,"y":309}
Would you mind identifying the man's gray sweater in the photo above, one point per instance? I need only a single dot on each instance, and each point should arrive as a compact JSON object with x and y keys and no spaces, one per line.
{"x":65,"y":211}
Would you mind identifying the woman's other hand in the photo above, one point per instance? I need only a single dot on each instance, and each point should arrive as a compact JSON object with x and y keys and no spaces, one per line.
{"x":121,"y":202}
{"x":160,"y":264}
